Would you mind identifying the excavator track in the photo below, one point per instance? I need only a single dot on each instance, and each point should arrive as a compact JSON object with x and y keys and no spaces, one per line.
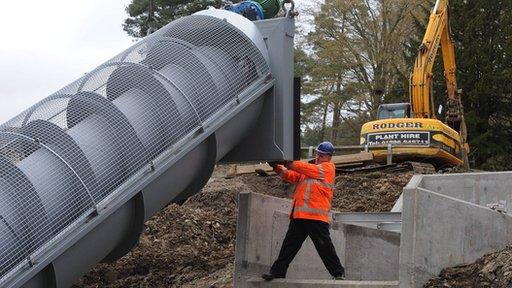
{"x":416,"y":167}
{"x":421,"y":168}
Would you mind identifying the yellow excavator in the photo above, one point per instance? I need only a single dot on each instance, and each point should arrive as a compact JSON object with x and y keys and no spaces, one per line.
{"x":411,"y":131}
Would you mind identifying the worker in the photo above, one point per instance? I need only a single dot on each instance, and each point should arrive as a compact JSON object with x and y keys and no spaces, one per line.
{"x":310,"y":215}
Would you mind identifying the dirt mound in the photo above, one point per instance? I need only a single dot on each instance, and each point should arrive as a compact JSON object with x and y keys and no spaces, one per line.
{"x":492,"y":270}
{"x":192,"y":245}
{"x":180,"y":245}
{"x":272,"y":185}
{"x":368,"y":192}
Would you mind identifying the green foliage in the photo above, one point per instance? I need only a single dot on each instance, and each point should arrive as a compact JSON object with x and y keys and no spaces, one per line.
{"x":483,"y":36}
{"x":165,"y":11}
{"x":303,"y":63}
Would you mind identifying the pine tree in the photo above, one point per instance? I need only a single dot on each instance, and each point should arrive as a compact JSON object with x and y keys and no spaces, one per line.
{"x":483,"y":34}
{"x":164,"y":11}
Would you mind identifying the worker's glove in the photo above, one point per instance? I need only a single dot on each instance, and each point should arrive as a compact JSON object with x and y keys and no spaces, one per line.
{"x":274,"y":164}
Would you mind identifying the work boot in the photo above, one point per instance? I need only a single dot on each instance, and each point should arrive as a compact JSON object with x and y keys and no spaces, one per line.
{"x":270,"y":277}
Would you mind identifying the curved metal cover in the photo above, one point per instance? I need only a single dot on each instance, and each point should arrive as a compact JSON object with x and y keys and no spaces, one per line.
{"x":72,"y":151}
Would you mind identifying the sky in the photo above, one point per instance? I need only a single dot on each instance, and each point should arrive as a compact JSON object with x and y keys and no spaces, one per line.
{"x":48,"y":44}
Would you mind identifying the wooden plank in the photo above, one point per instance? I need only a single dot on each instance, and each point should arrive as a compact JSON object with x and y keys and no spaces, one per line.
{"x":340,"y":150}
{"x":352,"y":164}
{"x":357,"y":159}
{"x":352,"y":158}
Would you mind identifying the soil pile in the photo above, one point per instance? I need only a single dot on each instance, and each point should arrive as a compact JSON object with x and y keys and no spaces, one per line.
{"x":368,"y":192}
{"x":272,"y":185}
{"x":181,"y":245}
{"x":492,"y":270}
{"x":193,"y":245}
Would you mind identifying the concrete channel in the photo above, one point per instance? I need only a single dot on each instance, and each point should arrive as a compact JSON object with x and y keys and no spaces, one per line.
{"x":439,"y":221}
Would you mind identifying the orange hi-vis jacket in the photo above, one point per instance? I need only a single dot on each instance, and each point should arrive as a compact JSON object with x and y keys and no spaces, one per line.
{"x":314,"y":189}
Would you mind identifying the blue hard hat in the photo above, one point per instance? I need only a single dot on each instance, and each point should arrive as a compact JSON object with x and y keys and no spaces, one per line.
{"x":325,"y":147}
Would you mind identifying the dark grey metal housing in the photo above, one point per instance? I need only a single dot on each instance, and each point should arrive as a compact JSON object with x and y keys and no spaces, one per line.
{"x":82,"y":170}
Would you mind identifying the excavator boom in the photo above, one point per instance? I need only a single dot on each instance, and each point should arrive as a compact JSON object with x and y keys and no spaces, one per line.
{"x":437,"y":34}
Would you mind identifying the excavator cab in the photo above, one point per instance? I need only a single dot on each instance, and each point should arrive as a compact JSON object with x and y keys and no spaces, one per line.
{"x":394,"y":110}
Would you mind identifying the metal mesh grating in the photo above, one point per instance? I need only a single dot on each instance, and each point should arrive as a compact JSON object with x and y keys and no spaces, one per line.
{"x":63,"y":156}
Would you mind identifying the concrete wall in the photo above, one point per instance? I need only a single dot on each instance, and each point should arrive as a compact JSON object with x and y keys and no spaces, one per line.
{"x":262,"y":224}
{"x":477,"y":188}
{"x":371,"y":254}
{"x":307,"y":264}
{"x":440,"y":231}
{"x":366,"y":253}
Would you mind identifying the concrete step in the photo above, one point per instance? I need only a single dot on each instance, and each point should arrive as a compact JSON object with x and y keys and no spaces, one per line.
{"x":292,"y":283}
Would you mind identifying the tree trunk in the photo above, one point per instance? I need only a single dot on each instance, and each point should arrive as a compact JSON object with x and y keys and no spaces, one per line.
{"x":336,"y":114}
{"x":324,"y":122}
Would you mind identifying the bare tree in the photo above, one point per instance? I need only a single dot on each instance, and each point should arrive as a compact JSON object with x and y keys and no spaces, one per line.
{"x":364,"y":41}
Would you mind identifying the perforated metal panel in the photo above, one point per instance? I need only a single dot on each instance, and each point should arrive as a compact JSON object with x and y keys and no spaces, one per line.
{"x":72,"y":151}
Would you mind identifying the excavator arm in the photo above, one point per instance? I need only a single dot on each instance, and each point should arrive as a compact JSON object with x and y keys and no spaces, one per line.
{"x":437,"y":34}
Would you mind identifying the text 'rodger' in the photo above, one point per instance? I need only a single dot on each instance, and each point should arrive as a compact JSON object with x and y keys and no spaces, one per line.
{"x":398,"y":125}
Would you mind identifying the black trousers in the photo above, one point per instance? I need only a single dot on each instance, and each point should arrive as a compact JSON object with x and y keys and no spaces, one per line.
{"x":298,"y":231}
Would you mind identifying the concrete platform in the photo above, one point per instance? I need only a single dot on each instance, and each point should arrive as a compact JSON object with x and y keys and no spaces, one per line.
{"x":287,"y":283}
